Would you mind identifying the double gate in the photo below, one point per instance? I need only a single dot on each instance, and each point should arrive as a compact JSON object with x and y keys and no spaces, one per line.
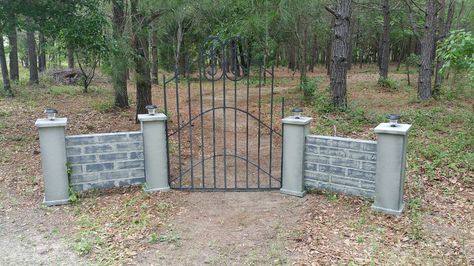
{"x":223,"y":129}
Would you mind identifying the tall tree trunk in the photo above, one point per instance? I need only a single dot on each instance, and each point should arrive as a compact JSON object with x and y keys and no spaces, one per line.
{"x":32,"y":57}
{"x":444,"y":26}
{"x":292,"y":57}
{"x":339,"y":52}
{"x":303,"y":64}
{"x":13,"y":41}
{"x":119,"y":59}
{"x":142,"y":66}
{"x":328,"y":50}
{"x":314,"y":53}
{"x":427,"y":46}
{"x":154,"y":56}
{"x":3,"y":67}
{"x":42,"y":53}
{"x":385,"y":51}
{"x":70,"y":57}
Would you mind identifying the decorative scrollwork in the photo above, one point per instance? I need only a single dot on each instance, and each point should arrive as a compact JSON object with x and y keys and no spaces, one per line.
{"x":219,"y":58}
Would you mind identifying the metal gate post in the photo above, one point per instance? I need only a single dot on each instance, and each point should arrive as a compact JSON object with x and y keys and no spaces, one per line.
{"x":296,"y":128}
{"x":155,"y":153}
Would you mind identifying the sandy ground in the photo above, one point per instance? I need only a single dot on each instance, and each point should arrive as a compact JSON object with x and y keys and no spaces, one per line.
{"x":30,"y":235}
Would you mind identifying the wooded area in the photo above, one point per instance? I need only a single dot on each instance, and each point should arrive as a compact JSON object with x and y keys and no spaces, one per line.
{"x":143,"y":37}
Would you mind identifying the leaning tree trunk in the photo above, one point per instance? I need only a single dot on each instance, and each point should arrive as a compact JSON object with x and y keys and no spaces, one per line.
{"x":119,"y":59}
{"x":385,"y":51}
{"x":14,"y":70}
{"x":42,"y":53}
{"x":427,"y":46}
{"x":3,"y":67}
{"x":70,"y":57}
{"x":32,"y":57}
{"x":339,"y":52}
{"x":142,"y":67}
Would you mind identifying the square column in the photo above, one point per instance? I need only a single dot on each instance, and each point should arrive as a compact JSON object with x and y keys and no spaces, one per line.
{"x":390,"y":170}
{"x":155,"y":152}
{"x":295,"y":130}
{"x":53,"y":159}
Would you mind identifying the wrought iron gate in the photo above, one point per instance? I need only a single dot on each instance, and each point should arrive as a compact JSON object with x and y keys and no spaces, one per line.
{"x":221,"y":130}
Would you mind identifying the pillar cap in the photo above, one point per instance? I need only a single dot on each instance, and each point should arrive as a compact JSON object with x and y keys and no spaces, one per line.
{"x":156,"y":117}
{"x":292,"y":120}
{"x":57,"y":122}
{"x":385,"y":128}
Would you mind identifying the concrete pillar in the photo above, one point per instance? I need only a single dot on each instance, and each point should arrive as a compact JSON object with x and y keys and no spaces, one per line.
{"x":294,"y":134}
{"x":390,"y":170}
{"x":53,"y":158}
{"x":156,"y":156}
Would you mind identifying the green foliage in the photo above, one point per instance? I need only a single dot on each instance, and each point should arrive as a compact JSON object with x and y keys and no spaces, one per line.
{"x":309,"y":87}
{"x":457,"y":52}
{"x":388,"y":84}
{"x":103,"y":106}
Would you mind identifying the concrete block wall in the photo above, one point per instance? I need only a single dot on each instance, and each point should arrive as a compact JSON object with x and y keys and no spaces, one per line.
{"x":105,"y":160}
{"x":340,"y":165}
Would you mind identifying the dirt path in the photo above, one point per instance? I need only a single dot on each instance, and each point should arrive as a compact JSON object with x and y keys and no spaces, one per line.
{"x":237,"y":228}
{"x":30,"y":235}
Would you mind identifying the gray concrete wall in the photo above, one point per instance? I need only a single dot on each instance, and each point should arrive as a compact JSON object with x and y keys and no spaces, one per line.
{"x":340,"y":165}
{"x":105,"y":160}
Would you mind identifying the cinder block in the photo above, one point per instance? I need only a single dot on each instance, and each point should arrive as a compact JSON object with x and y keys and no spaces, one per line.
{"x":361,"y":174}
{"x":117,"y":137}
{"x":129,"y":164}
{"x":130,"y":181}
{"x":345,"y":181}
{"x":310,"y":166}
{"x":81,"y":159}
{"x":84,"y":178}
{"x":108,"y":157}
{"x":311,"y":149}
{"x":135,"y":136}
{"x":332,"y":170}
{"x":98,"y":149}
{"x":371,"y":147}
{"x":344,"y":162}
{"x":80,"y":140}
{"x":316,"y":176}
{"x":76,"y":169}
{"x":363,"y":156}
{"x":314,"y":158}
{"x":114,"y":175}
{"x":367,"y":185}
{"x":137,"y":173}
{"x":131,"y":146}
{"x":72,"y":151}
{"x":317,"y":141}
{"x":99,"y":167}
{"x":332,"y":152}
{"x":368,"y":166}
{"x":135,"y":155}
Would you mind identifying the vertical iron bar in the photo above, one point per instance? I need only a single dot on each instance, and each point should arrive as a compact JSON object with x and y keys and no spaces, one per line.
{"x":213,"y":65}
{"x":190,"y":126}
{"x":281,"y":158}
{"x":179,"y":126}
{"x":247,"y":132}
{"x":202,"y":120}
{"x":224,"y":68}
{"x":259,"y":121}
{"x":271,"y":127}
{"x":166,"y":129}
{"x":234,"y":56}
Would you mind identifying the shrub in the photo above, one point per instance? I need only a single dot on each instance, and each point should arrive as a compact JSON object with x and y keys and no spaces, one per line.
{"x":309,"y":87}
